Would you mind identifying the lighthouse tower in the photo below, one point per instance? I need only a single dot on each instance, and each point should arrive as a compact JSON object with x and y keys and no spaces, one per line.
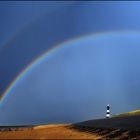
{"x":108,"y":111}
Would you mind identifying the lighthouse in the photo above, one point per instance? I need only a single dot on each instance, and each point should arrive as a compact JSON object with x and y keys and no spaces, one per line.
{"x":108,"y":111}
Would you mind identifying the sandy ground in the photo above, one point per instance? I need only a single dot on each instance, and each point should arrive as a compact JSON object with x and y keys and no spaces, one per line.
{"x":118,"y":128}
{"x":48,"y":132}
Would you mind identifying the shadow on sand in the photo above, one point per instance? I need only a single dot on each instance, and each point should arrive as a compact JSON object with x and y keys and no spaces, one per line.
{"x":106,"y":133}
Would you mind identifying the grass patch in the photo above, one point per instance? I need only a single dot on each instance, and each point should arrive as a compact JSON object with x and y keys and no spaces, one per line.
{"x":135,"y":112}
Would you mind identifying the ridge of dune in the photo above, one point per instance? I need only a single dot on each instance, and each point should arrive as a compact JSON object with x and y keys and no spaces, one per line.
{"x":49,"y":126}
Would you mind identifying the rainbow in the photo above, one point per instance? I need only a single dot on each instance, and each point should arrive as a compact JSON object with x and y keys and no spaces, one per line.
{"x":25,"y":71}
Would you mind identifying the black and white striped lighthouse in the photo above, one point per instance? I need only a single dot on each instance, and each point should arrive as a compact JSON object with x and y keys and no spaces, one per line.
{"x":108,"y":111}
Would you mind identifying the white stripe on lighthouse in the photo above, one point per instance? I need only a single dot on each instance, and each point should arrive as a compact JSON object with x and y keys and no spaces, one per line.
{"x":107,"y":115}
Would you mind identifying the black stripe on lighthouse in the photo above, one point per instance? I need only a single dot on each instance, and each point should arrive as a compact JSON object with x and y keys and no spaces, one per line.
{"x":108,"y":111}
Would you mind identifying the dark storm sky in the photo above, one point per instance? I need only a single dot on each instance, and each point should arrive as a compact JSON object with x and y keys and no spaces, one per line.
{"x":28,"y":29}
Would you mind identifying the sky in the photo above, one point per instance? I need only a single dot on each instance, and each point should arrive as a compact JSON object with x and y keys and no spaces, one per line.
{"x":96,"y":62}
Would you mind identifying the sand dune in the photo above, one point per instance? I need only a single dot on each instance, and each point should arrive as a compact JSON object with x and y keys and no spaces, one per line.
{"x":113,"y":128}
{"x":127,"y":127}
{"x":60,"y":131}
